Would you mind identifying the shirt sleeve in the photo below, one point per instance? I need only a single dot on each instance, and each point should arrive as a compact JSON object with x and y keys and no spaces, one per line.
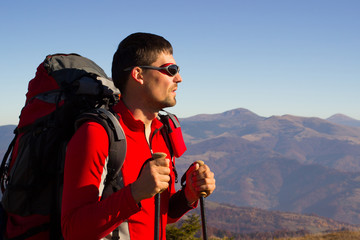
{"x":178,"y":206}
{"x":83,"y":215}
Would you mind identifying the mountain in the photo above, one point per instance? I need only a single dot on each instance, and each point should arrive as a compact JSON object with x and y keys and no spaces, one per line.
{"x":285,"y":163}
{"x":344,"y":120}
{"x":307,"y":140}
{"x":6,"y":135}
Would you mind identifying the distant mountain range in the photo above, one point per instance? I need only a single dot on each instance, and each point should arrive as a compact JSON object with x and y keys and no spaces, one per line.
{"x":283,"y":163}
{"x":286,"y":163}
{"x":6,"y":135}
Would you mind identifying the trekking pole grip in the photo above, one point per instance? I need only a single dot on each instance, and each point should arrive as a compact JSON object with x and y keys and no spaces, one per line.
{"x":201,"y":163}
{"x":156,"y":156}
{"x":159,"y":155}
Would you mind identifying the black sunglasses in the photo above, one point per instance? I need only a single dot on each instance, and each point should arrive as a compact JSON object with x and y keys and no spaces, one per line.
{"x":170,"y":70}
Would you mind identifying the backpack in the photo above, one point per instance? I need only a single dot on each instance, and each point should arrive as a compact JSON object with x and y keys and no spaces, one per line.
{"x":67,"y":90}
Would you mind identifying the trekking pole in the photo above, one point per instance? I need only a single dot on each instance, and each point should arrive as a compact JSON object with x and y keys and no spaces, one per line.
{"x":157,"y":201}
{"x":202,"y":208}
{"x":157,"y":216}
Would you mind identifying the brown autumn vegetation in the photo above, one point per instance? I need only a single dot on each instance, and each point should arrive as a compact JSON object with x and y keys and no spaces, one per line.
{"x":226,"y":221}
{"x":342,"y":235}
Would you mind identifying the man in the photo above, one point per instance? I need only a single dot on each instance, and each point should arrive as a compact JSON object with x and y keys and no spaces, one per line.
{"x":146,"y":73}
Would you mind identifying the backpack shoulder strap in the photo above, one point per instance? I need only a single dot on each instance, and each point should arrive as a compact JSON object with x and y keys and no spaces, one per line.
{"x":117,"y":139}
{"x":117,"y":146}
{"x":173,"y":137}
{"x":174,"y":134}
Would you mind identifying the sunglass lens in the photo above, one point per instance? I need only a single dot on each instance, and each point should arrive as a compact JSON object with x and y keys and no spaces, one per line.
{"x":173,"y":69}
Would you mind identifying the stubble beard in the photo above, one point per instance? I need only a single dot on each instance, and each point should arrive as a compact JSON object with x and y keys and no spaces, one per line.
{"x":169,"y":101}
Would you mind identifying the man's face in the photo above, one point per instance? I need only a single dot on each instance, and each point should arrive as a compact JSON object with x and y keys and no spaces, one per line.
{"x":160,"y":87}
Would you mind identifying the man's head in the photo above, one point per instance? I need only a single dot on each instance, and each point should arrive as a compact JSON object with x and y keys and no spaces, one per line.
{"x":138,"y":49}
{"x":143,"y":67}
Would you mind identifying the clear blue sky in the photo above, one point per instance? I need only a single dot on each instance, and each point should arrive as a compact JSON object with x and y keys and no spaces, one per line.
{"x":272,"y":57}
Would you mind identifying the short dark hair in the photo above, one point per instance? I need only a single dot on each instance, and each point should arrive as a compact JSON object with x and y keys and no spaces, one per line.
{"x":135,"y":50}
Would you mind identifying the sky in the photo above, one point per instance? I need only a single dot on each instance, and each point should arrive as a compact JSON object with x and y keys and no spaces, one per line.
{"x":298,"y":57}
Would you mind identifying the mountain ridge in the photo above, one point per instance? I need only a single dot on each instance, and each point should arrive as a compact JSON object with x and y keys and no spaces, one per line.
{"x":344,"y":120}
{"x":288,"y":163}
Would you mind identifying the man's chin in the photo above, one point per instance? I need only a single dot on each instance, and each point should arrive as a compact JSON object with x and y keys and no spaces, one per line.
{"x":168,"y":104}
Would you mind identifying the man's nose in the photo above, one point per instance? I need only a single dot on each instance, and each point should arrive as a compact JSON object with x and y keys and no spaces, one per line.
{"x":177,"y":78}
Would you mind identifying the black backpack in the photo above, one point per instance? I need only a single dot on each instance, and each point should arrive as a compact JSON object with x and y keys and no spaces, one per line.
{"x":68,"y":90}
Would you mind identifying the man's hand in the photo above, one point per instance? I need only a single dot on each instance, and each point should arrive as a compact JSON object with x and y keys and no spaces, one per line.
{"x":198,"y":179}
{"x":154,"y":178}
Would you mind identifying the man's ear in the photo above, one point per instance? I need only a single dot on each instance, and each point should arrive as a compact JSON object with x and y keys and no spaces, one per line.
{"x":137,"y":75}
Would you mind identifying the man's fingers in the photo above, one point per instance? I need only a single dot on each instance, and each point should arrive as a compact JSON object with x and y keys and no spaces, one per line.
{"x":160,"y":168}
{"x":163,"y":183}
{"x":205,"y":174}
{"x":203,"y":169}
{"x":160,"y":159}
{"x":203,"y":179}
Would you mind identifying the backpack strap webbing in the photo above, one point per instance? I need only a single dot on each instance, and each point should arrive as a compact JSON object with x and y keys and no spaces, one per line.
{"x":117,"y":145}
{"x":117,"y":139}
{"x":165,"y":133}
{"x":32,"y":231}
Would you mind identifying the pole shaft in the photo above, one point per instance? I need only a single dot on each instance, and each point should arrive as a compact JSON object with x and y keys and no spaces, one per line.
{"x":203,"y":220}
{"x":157,"y":217}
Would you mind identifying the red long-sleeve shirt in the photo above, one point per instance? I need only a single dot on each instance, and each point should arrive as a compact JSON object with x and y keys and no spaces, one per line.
{"x":84,"y":216}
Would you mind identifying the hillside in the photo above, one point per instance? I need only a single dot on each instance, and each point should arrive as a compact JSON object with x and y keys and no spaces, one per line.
{"x":342,"y":235}
{"x":307,"y":140}
{"x":285,"y":163}
{"x":248,"y":220}
{"x":344,"y":120}
{"x":6,"y":135}
{"x":254,"y":223}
